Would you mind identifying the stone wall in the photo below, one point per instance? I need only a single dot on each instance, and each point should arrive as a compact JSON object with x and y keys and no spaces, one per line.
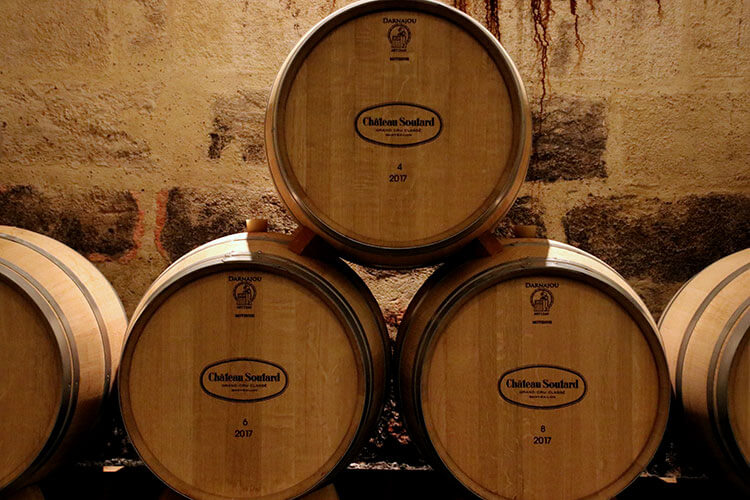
{"x":132,"y":130}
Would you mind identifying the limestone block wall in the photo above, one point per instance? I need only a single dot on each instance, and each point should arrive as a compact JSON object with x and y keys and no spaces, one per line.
{"x":132,"y":130}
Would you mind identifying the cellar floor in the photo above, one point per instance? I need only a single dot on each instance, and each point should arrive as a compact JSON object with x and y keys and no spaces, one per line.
{"x":137,"y":482}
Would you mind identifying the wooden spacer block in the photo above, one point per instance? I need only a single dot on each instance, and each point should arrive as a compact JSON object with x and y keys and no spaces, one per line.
{"x":487,"y":244}
{"x":306,"y":242}
{"x":256,"y":225}
{"x":526,"y":231}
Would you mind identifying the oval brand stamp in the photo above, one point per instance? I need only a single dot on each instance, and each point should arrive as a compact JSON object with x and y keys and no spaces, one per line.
{"x":244,"y":380}
{"x":398,"y":124}
{"x":542,"y":386}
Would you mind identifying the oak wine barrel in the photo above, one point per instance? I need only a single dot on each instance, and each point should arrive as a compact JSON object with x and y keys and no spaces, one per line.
{"x":706,"y":334}
{"x":250,"y":371}
{"x":398,"y":131}
{"x":61,"y":332}
{"x":533,"y":373}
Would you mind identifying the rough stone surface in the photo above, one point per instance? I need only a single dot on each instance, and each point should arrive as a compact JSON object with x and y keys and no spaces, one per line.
{"x":526,"y":211}
{"x":53,"y":36}
{"x":666,"y":243}
{"x":569,"y":140}
{"x":678,"y":142}
{"x":239,"y":118}
{"x":71,"y":122}
{"x":192,"y":217}
{"x":103,"y":225}
{"x":667,"y":240}
{"x":391,"y":441}
{"x":393,"y":289}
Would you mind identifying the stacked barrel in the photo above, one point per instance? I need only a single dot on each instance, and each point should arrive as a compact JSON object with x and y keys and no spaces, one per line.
{"x":251,"y":371}
{"x":535,"y":372}
{"x":397,"y":133}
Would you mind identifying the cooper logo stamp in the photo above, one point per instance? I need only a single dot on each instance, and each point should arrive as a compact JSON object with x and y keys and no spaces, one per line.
{"x":543,"y":387}
{"x":244,"y":380}
{"x":244,"y":293}
{"x":399,"y":36}
{"x":541,"y":301}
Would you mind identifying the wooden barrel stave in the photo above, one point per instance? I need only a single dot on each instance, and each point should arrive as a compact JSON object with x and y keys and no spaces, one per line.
{"x":380,"y":200}
{"x":266,"y":256}
{"x":450,"y":440}
{"x":705,"y":329}
{"x":84,"y":321}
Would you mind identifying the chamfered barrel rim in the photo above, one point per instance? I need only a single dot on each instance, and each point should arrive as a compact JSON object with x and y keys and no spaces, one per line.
{"x":57,"y":326}
{"x":433,"y":248}
{"x":81,"y":321}
{"x":735,"y":336}
{"x":706,"y":327}
{"x":451,"y":302}
{"x":326,"y":292}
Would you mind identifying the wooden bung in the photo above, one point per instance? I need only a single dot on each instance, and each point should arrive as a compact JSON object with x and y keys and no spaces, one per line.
{"x":61,"y":333}
{"x":250,"y":371}
{"x":705,"y":329}
{"x":533,"y":373}
{"x":398,"y":131}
